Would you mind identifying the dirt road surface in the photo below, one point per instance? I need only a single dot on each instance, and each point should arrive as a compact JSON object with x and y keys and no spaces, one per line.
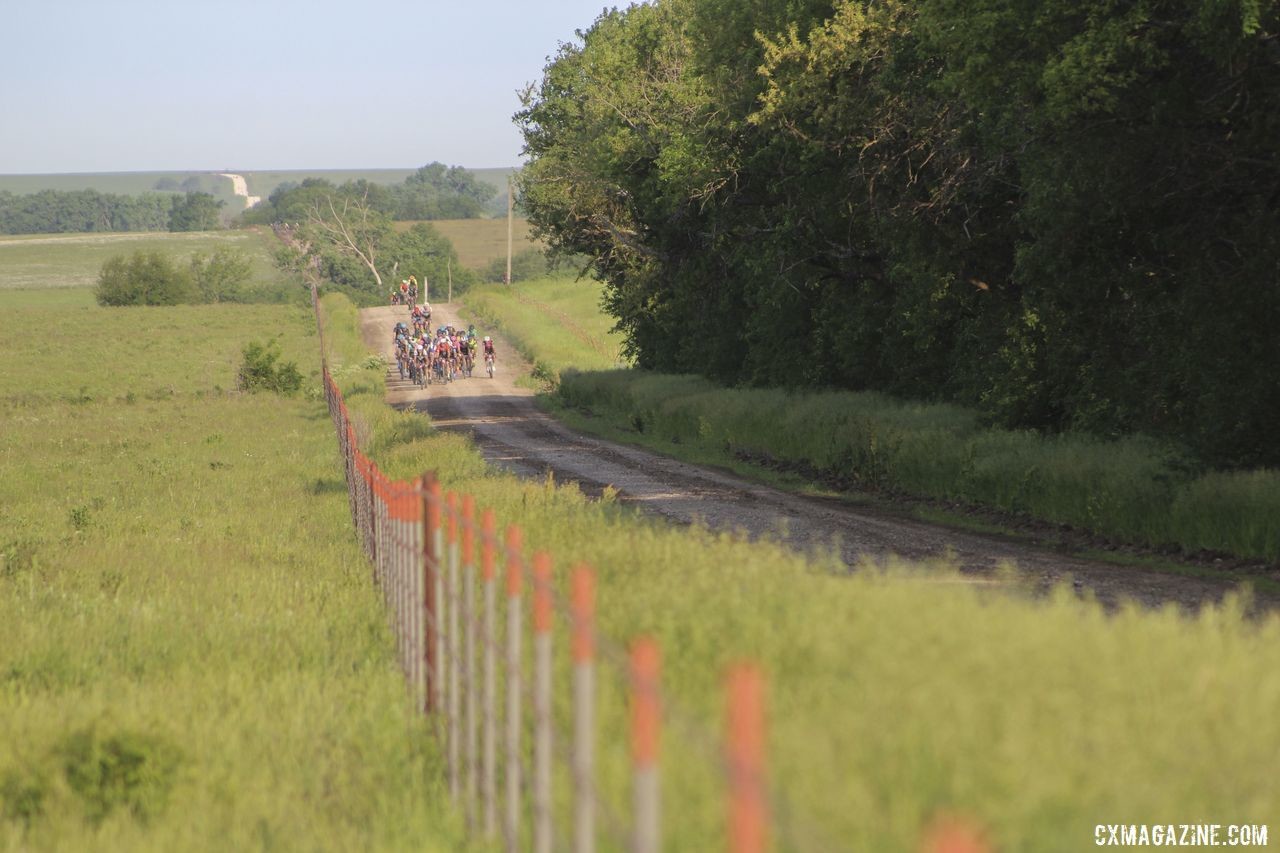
{"x":512,"y":433}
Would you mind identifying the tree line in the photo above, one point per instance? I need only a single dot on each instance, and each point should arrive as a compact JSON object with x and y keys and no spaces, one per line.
{"x":64,"y":211}
{"x":1065,"y":212}
{"x":434,"y":191}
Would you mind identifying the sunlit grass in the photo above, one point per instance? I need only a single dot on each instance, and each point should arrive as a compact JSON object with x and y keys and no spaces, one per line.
{"x":555,"y":322}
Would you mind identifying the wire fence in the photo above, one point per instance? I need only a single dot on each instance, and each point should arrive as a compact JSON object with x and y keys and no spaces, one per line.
{"x":522,"y":757}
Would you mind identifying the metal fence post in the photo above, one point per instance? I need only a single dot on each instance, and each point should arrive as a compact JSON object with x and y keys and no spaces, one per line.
{"x":542,"y":622}
{"x":452,"y":646}
{"x":646,"y":727}
{"x":471,"y":781}
{"x":489,"y":636}
{"x":434,"y":548}
{"x":583,"y":602}
{"x":744,"y":758}
{"x":515,"y":572}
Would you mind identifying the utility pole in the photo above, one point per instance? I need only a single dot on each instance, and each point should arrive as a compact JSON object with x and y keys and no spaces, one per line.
{"x":511,"y":203}
{"x":449,"y":267}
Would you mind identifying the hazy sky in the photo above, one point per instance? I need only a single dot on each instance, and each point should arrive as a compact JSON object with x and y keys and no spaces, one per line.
{"x":133,"y":85}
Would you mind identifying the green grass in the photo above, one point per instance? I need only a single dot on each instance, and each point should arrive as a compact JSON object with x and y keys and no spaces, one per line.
{"x":1127,"y":489}
{"x":555,"y":322}
{"x":894,"y":693}
{"x":191,"y":654}
{"x":480,"y":241}
{"x":30,"y":262}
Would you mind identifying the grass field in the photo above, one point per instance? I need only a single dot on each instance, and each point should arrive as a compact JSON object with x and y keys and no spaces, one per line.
{"x":73,"y":260}
{"x":894,"y":693}
{"x":479,"y":241}
{"x":191,"y":654}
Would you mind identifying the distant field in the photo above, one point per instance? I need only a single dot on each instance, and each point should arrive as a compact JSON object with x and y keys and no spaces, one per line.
{"x":73,"y":260}
{"x":121,"y":183}
{"x":479,"y":241}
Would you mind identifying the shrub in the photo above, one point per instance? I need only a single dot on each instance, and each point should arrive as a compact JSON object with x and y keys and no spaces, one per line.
{"x":261,"y":370}
{"x":143,"y":278}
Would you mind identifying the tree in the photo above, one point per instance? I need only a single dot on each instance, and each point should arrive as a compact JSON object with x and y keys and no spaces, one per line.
{"x":221,"y":275}
{"x":143,"y":278}
{"x":349,"y":227}
{"x":195,"y":211}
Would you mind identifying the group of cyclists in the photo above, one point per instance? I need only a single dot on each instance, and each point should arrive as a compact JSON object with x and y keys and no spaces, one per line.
{"x":448,"y":353}
{"x":407,"y":293}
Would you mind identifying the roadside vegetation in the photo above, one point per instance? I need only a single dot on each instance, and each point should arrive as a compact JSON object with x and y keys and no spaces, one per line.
{"x":895,"y":692}
{"x":555,"y":322}
{"x":193,"y":657}
{"x":1076,"y":235}
{"x":1131,"y":490}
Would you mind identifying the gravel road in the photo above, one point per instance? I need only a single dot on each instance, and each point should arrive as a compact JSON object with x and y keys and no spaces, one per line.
{"x":512,"y":433}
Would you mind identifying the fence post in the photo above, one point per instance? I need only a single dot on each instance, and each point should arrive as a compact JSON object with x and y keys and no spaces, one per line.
{"x":488,"y":536}
{"x":469,"y":674}
{"x":511,"y":823}
{"x":433,"y":547}
{"x":646,"y":722}
{"x":583,"y":604}
{"x":748,"y":803}
{"x":542,"y":622}
{"x":416,"y":596}
{"x":452,"y":646}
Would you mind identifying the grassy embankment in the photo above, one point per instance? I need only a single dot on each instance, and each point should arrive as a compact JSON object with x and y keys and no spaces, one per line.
{"x":42,"y":262}
{"x":890,"y":696}
{"x":192,"y":656}
{"x":1130,"y":490}
{"x":556,"y":324}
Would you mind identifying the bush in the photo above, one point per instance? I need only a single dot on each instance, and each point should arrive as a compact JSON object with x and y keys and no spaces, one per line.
{"x":261,"y":370}
{"x":143,"y":278}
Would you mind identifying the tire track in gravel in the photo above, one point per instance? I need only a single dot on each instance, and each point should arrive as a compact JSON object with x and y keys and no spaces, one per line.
{"x":512,"y":433}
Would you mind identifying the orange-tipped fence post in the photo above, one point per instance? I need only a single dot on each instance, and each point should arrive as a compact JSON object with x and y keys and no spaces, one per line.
{"x":948,"y":833}
{"x":515,"y":576}
{"x":416,"y":590}
{"x":452,"y":648}
{"x":745,"y":759}
{"x":583,"y":603}
{"x":433,"y":548}
{"x":469,"y":679}
{"x":646,"y":728}
{"x":489,"y":636}
{"x":543,"y":612}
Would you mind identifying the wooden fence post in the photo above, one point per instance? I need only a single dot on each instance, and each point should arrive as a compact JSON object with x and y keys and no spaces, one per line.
{"x":434,"y":548}
{"x":452,"y":649}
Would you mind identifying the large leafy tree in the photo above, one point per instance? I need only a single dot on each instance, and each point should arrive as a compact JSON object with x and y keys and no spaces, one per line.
{"x":1066,"y":212}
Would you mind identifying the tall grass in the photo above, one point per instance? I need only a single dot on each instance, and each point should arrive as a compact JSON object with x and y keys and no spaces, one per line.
{"x":555,"y":322}
{"x":191,"y":654}
{"x":892,"y":696}
{"x":1131,"y":489}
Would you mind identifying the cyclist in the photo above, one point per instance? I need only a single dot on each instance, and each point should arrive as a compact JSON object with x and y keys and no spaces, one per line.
{"x":490,"y":355}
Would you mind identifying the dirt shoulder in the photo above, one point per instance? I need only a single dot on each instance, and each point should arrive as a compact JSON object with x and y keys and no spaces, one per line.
{"x":513,"y":433}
